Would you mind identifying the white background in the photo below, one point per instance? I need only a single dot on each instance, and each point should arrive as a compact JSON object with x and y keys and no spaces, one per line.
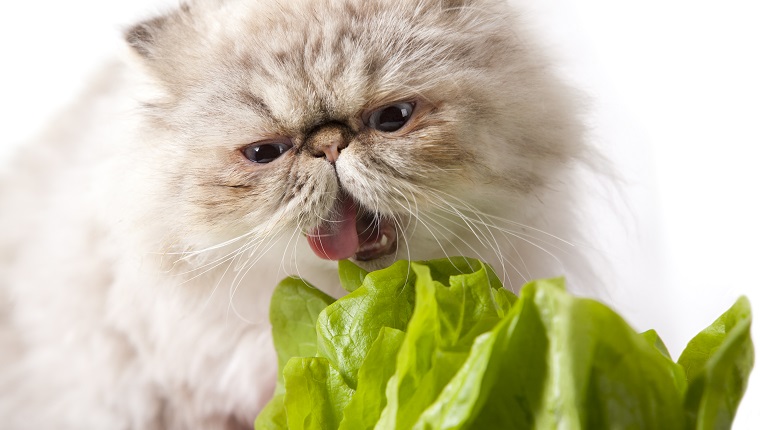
{"x":675,"y":86}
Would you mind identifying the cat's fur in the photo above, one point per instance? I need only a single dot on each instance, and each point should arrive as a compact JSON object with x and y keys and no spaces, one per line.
{"x":140,"y":248}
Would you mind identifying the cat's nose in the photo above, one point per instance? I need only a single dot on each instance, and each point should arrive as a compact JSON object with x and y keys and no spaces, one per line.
{"x":327,"y":141}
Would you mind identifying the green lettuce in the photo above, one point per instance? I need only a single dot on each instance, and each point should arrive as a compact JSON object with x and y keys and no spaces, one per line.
{"x":441,"y":345}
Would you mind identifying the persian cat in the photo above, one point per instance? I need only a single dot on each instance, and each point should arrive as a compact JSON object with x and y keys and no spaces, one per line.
{"x":245,"y":140}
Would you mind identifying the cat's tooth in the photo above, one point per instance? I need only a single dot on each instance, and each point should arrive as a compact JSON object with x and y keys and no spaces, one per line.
{"x":384,"y":240}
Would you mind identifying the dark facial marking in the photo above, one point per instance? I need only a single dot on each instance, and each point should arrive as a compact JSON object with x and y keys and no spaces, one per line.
{"x":257,"y":104}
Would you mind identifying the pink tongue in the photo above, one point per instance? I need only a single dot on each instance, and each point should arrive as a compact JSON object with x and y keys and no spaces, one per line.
{"x":337,"y":238}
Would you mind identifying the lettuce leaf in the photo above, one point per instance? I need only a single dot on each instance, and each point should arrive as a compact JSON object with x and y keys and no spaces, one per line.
{"x":717,"y":363}
{"x":347,"y":328}
{"x":293,"y":312}
{"x":380,"y":364}
{"x":441,"y":345}
{"x":315,"y":394}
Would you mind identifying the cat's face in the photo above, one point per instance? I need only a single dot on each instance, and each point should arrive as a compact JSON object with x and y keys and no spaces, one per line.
{"x":378,"y":129}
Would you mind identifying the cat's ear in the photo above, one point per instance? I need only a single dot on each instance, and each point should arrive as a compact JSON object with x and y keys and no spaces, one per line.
{"x":149,"y":37}
{"x":142,"y":37}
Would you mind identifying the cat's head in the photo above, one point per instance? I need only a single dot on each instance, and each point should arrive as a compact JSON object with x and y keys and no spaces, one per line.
{"x":378,"y":129}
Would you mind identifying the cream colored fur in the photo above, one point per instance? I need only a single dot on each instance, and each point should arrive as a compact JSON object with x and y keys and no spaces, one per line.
{"x":139,"y":247}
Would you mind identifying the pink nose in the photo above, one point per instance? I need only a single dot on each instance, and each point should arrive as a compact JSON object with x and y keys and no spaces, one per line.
{"x":331,"y":152}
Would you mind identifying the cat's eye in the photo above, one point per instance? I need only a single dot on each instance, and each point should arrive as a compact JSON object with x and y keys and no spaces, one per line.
{"x":391,"y":118}
{"x":266,"y":152}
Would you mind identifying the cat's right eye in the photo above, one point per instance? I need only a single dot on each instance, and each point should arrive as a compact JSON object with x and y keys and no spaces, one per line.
{"x":266,"y":152}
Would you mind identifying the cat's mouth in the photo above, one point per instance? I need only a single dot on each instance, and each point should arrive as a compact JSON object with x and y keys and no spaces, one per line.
{"x":352,"y":232}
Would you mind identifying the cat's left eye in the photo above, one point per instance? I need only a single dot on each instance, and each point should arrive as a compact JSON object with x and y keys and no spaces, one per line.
{"x":391,"y":118}
{"x":266,"y":152}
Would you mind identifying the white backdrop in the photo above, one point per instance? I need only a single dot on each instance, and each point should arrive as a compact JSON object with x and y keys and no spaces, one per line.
{"x":675,"y":86}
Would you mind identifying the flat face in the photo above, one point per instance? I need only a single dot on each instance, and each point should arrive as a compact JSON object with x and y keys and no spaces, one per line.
{"x":378,"y":130}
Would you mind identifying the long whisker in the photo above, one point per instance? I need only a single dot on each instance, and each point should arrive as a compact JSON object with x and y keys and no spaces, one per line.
{"x":530,"y":239}
{"x":503,"y":260}
{"x":212,"y":265}
{"x":291,"y":240}
{"x":493,"y":218}
{"x":238,"y":280}
{"x":474,"y":225}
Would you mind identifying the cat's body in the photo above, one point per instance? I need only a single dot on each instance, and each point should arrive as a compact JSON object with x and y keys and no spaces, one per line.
{"x":143,"y":234}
